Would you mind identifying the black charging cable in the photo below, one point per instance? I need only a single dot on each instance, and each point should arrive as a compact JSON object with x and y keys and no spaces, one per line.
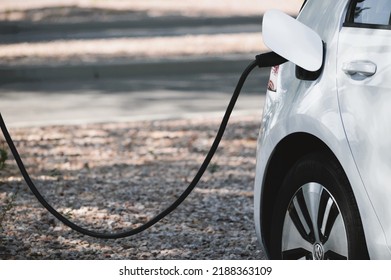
{"x":262,"y":60}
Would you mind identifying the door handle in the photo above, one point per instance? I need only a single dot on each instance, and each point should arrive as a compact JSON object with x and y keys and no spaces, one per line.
{"x":360,"y":67}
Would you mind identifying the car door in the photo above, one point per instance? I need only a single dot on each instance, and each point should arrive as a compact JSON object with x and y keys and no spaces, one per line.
{"x":364,"y":92}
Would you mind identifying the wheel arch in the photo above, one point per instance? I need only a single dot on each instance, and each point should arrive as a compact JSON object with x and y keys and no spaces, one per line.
{"x":288,"y":151}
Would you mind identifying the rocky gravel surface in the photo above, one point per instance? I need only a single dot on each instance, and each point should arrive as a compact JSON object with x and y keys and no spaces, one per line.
{"x":116,"y":176}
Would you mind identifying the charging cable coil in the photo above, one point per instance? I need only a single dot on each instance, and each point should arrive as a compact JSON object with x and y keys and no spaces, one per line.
{"x":263,"y":60}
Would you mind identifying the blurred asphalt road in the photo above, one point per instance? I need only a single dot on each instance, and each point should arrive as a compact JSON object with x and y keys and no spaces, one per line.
{"x":173,"y":93}
{"x":121,"y":88}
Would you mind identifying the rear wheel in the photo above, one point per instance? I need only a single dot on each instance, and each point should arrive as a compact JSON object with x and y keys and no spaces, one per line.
{"x":316,"y":216}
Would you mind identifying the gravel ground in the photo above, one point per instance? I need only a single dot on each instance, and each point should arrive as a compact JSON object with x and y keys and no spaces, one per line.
{"x":118,"y":175}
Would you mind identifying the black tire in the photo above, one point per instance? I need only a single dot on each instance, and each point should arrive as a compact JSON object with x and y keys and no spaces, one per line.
{"x":316,"y":215}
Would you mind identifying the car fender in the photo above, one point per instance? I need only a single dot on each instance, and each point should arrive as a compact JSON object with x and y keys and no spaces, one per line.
{"x":317,"y":114}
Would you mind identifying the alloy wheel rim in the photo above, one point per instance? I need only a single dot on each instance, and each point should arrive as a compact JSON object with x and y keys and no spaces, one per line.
{"x":313,"y":226}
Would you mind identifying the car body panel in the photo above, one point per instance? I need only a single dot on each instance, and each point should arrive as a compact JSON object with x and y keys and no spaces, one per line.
{"x":312,"y":107}
{"x":365,"y":110}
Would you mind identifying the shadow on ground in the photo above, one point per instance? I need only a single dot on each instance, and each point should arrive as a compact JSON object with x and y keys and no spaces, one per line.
{"x":116,"y":176}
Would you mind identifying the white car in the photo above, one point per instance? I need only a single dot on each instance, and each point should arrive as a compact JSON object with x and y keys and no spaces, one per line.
{"x":323,"y":174}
